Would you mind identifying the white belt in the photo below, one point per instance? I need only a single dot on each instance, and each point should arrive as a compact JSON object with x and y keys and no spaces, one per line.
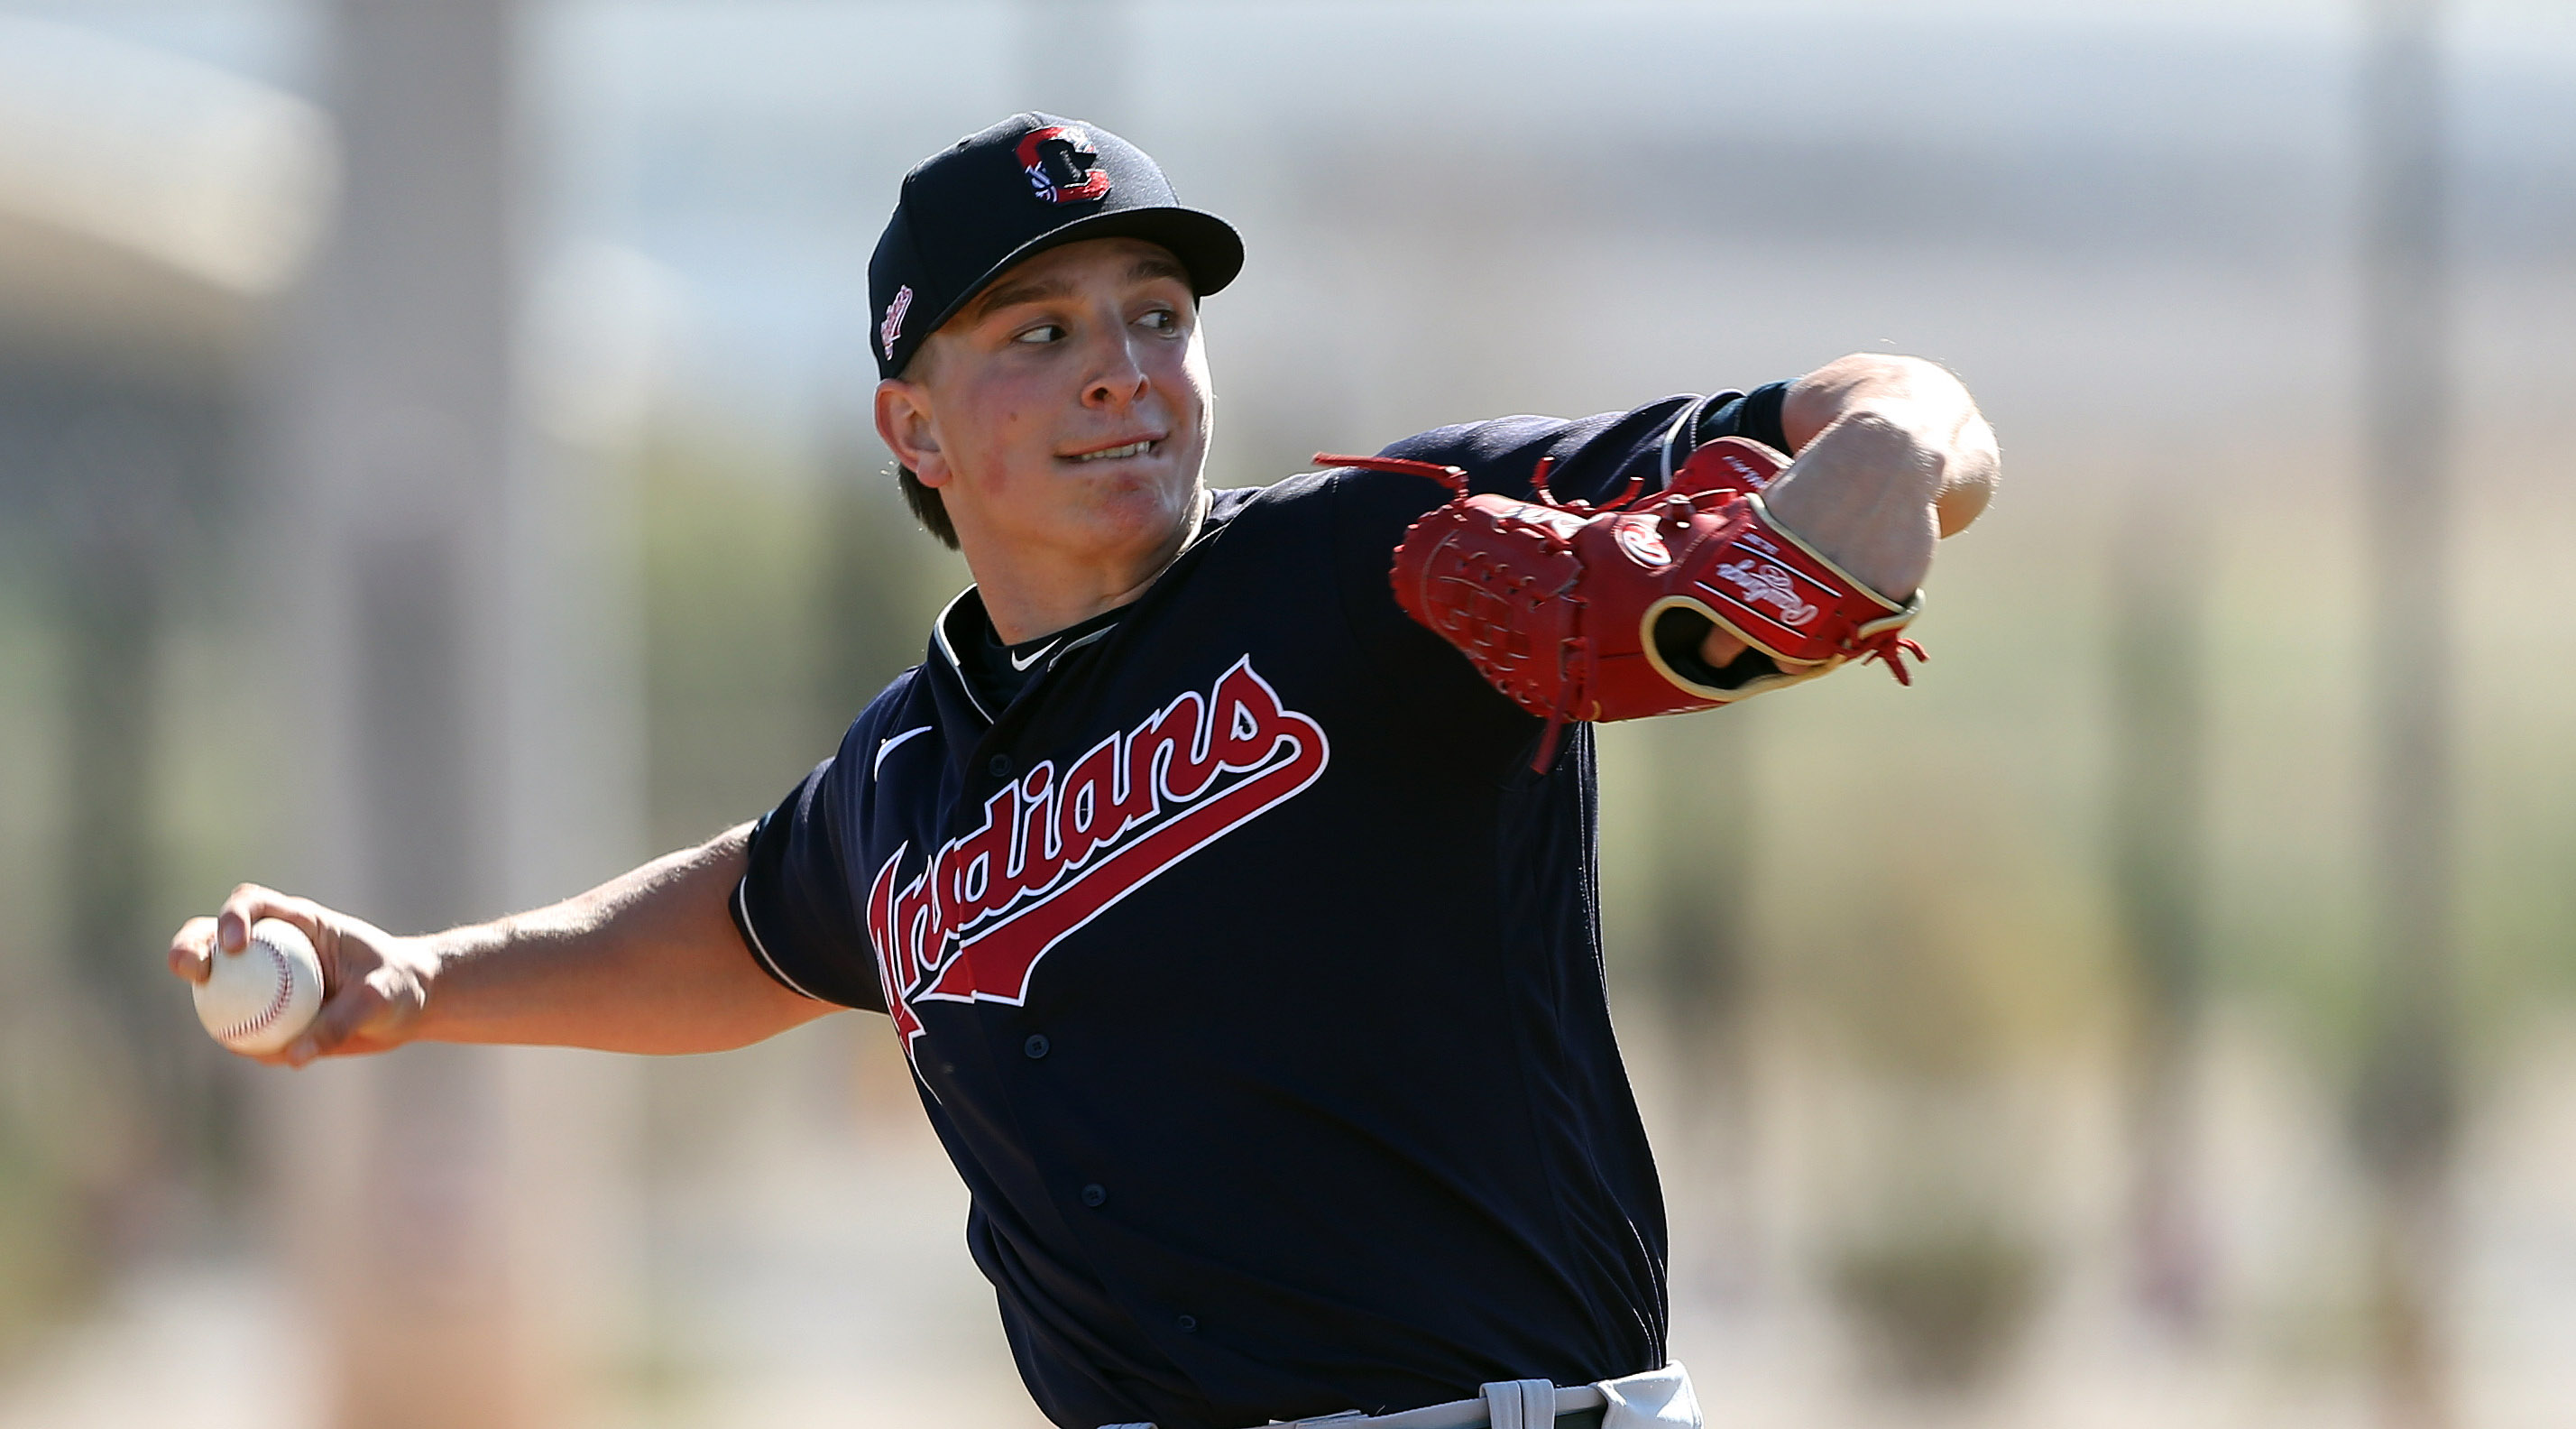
{"x":1657,"y":1399}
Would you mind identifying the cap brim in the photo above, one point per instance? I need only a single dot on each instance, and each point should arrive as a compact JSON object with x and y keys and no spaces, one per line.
{"x":1207,"y":246}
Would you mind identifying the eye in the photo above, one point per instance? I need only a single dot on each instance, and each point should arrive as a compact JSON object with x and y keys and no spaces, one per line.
{"x":1040,"y":335}
{"x":1162,"y":320}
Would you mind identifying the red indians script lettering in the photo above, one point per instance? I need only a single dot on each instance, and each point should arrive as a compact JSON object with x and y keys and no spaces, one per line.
{"x":1058,"y":847}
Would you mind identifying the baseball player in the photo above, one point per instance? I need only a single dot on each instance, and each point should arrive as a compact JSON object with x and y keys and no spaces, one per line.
{"x":1225,"y":872}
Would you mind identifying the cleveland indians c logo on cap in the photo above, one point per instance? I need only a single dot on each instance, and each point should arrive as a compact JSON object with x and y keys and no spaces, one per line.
{"x":1061,"y":165}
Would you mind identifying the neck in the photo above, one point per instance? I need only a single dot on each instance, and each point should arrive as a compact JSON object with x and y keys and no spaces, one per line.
{"x":1030,"y":593}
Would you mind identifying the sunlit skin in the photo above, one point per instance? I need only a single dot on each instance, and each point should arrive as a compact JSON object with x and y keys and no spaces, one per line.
{"x":1086,"y":349}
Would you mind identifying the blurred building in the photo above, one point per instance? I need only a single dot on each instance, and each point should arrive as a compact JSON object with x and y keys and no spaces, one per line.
{"x":152,"y":212}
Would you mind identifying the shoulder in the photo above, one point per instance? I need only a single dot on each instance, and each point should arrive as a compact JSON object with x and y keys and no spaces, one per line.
{"x":1229,"y":504}
{"x":1318,"y":505}
{"x":900,"y":714}
{"x":1476,"y":445}
{"x":1591,"y":457}
{"x":902,"y":697}
{"x":1291,"y":509}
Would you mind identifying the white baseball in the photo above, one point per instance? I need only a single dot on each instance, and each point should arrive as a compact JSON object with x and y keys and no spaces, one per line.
{"x":259,"y":999}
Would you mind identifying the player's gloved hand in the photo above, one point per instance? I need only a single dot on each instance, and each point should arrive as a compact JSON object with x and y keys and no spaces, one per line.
{"x":374,"y":985}
{"x":1876,"y":488}
{"x":1861,"y":494}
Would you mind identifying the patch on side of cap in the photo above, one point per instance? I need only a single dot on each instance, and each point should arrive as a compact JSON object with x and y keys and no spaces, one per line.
{"x":1062,"y":165}
{"x":892,"y":327}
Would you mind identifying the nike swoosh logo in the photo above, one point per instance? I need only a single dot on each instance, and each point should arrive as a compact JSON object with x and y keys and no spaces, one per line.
{"x":1034,"y":656}
{"x":886,"y":746}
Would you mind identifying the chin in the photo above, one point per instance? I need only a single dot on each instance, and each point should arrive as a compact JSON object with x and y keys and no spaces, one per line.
{"x":1145,"y":518}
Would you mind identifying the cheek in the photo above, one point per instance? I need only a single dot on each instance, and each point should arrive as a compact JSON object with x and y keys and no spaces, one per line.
{"x":1194,"y":366}
{"x":1191,"y":390}
{"x":998,"y":425}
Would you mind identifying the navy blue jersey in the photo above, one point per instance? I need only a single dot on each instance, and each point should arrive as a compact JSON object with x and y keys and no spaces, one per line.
{"x":1249,"y":974}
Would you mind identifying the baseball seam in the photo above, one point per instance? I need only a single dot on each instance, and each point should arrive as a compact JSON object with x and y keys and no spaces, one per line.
{"x":277,"y":1001}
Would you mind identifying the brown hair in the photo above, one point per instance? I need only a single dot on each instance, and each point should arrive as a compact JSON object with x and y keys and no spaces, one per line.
{"x":926,"y":506}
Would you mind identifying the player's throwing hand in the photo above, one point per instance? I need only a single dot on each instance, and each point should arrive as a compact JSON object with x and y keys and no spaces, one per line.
{"x":374,"y":988}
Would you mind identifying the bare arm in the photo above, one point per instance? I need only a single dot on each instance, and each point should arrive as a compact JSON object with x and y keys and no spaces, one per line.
{"x":1892,"y":454}
{"x":646,"y":962}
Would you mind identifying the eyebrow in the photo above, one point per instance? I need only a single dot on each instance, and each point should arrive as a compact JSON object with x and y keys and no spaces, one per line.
{"x":1155,"y":265}
{"x":1039,"y":290}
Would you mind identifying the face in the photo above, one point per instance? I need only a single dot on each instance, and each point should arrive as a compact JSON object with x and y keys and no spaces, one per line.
{"x":1064,"y":413}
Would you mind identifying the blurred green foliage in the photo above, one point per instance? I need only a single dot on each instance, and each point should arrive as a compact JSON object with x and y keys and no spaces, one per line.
{"x":48,"y":1261}
{"x":46,"y":1265}
{"x":781,"y":592}
{"x":1942,"y":1301}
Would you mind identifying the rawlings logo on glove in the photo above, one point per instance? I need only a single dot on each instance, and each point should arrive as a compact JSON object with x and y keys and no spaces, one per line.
{"x":1556,"y":603}
{"x":1772,"y":585}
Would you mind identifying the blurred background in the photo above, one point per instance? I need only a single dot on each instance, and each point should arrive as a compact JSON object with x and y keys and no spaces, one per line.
{"x":435,"y":475}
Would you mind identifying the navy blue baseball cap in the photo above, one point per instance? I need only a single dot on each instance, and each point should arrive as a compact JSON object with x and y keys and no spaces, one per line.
{"x":1028,"y":184}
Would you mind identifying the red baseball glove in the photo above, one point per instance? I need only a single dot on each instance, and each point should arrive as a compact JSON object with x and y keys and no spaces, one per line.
{"x":1556,"y":603}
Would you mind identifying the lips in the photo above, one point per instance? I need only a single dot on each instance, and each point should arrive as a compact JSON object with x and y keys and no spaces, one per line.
{"x":1138,"y":448}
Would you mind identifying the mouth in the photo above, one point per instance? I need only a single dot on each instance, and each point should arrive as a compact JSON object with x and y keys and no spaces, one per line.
{"x":1139,"y":448}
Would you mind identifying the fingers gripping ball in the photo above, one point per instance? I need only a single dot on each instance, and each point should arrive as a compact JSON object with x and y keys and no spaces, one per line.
{"x":263,"y":997}
{"x":1556,"y":603}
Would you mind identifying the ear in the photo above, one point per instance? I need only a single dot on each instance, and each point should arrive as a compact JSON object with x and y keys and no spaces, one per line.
{"x":906,"y":424}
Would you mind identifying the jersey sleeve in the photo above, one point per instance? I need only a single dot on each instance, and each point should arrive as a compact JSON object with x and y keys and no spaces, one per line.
{"x":1754,"y":415}
{"x":793,"y":906}
{"x":1595,"y":459}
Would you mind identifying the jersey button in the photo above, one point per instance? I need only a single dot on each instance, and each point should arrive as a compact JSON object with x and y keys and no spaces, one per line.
{"x":1187,"y":1324}
{"x":1001,"y":766}
{"x":1036,"y":1046}
{"x":1094,"y":1194}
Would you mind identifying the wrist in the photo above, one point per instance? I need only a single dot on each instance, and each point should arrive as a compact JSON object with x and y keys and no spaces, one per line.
{"x":427,"y":961}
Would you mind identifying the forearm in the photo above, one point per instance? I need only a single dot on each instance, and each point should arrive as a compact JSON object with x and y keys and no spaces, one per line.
{"x":647,"y":962}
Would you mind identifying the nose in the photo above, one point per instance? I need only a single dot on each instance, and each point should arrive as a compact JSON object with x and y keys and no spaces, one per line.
{"x":1117,"y":378}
